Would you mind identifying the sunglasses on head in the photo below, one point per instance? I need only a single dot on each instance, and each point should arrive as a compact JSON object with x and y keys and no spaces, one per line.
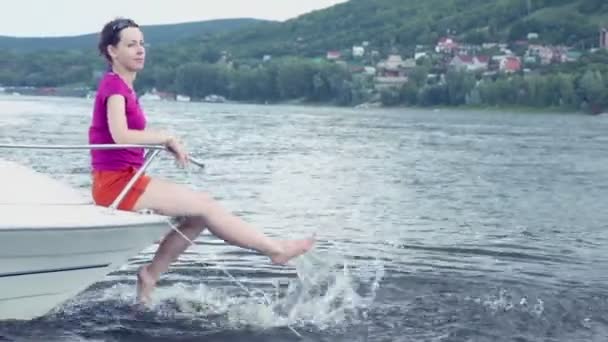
{"x":122,"y":24}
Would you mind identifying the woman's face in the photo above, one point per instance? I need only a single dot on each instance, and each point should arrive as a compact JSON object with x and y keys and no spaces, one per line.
{"x":130,"y":51}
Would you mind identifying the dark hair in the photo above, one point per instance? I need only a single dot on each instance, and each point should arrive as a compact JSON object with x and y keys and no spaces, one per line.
{"x":110,"y":34}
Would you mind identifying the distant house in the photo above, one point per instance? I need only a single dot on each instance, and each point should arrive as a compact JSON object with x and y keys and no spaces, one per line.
{"x":394,"y":66}
{"x":532,"y":36}
{"x":334,"y":55}
{"x":470,"y":63}
{"x":530,"y":59}
{"x":419,"y":55}
{"x":544,"y":53}
{"x":510,"y":64}
{"x":446,"y":45}
{"x":505,"y":50}
{"x":393,"y":71}
{"x":358,"y":51}
{"x":466,"y":49}
{"x":369,"y":70}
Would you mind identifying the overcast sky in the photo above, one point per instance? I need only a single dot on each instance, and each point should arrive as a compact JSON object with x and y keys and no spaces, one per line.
{"x":28,"y":18}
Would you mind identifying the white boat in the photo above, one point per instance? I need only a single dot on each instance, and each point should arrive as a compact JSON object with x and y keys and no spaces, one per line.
{"x":54,"y":242}
{"x":182,"y":98}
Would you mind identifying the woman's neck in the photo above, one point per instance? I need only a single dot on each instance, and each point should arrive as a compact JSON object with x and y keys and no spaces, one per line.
{"x":126,"y":75}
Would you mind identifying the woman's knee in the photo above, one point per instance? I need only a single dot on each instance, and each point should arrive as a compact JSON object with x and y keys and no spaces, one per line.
{"x":207,"y":206}
{"x":191,"y":226}
{"x":192,"y":222}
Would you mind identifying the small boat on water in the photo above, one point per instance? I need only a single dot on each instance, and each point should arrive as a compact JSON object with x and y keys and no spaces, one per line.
{"x":55,"y":242}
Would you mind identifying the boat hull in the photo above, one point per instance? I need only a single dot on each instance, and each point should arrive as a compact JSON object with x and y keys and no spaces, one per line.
{"x":40,"y":269}
{"x":54,"y":242}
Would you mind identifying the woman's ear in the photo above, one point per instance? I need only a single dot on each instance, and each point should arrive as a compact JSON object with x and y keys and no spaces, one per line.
{"x":111,"y":49}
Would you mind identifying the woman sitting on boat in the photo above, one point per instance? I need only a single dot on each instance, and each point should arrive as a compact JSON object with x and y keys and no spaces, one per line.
{"x":119,"y":119}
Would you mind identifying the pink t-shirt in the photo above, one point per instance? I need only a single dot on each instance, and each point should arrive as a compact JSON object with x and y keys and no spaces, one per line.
{"x":99,"y":131}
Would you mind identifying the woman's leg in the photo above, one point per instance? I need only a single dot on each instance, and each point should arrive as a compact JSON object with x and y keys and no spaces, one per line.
{"x":177,"y":200}
{"x":168,"y":251}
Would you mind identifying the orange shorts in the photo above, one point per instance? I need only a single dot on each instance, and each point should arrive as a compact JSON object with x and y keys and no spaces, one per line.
{"x":107,"y":185}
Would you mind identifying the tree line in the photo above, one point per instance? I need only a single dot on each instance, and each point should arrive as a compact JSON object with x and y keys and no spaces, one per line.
{"x":575,"y":86}
{"x":578,"y":86}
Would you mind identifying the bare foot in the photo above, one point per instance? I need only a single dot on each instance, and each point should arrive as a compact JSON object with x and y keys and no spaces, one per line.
{"x":292,"y":249}
{"x":145,"y":285}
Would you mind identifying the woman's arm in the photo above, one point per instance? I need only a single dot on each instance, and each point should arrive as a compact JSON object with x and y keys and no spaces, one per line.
{"x":117,"y":121}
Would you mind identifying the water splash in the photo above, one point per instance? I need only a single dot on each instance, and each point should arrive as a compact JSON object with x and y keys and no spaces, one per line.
{"x":327,"y":295}
{"x":324,"y":295}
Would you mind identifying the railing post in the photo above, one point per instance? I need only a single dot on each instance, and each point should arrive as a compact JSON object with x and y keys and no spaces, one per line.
{"x":149,"y":157}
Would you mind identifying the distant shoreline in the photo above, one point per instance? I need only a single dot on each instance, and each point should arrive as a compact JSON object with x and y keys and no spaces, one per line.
{"x":373,"y":105}
{"x":363,"y":106}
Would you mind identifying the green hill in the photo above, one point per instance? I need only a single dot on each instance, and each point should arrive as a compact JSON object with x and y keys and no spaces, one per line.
{"x":403,"y":24}
{"x":155,"y":34}
{"x":386,"y":24}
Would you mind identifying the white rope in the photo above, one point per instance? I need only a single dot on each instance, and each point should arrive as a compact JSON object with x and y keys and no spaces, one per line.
{"x":243,"y":287}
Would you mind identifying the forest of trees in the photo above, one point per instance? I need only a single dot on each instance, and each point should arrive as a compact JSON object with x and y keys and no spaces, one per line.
{"x":582,"y":85}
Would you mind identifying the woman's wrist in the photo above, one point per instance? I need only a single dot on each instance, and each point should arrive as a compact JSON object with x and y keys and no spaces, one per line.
{"x":167,"y":138}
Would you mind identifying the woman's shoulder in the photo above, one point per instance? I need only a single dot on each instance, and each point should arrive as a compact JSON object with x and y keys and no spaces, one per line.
{"x":109,"y":78}
{"x":112,"y":83}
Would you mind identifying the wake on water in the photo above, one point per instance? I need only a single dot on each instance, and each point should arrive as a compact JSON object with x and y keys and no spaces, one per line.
{"x":326,"y":294}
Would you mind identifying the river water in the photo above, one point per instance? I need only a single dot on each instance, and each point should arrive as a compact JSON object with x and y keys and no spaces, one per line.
{"x":432,"y":225}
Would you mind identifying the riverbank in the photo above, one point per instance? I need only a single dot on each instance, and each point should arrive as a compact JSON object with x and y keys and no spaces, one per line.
{"x":513,"y":108}
{"x":362,"y":106}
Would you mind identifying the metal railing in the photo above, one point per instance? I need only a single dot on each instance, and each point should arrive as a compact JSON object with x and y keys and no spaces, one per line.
{"x":153,"y":151}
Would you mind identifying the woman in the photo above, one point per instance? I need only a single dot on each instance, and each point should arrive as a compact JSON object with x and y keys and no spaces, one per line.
{"x":118,"y":118}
